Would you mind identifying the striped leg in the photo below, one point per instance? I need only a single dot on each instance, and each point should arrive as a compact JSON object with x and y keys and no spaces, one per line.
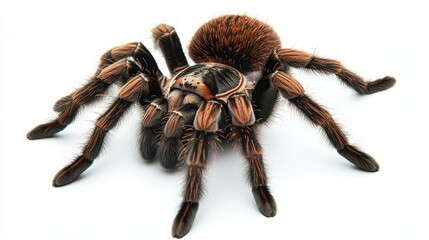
{"x":299,"y":59}
{"x":106,"y":75}
{"x":151,"y":124}
{"x":171,"y":139}
{"x":129,"y":93}
{"x":134,"y":50}
{"x":202,"y":143}
{"x":294,"y":92}
{"x":169,"y":43}
{"x":242,"y":134}
{"x":118,"y":71}
{"x":106,"y":60}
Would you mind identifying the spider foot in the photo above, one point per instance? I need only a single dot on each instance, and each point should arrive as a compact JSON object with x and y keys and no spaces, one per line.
{"x":184,"y":219}
{"x":380,"y":85}
{"x":359,"y":158}
{"x":45,"y":130}
{"x":71,"y":172}
{"x":265,"y":201}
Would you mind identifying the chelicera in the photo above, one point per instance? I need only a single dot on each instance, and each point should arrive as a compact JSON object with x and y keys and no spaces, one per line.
{"x":239,"y":72}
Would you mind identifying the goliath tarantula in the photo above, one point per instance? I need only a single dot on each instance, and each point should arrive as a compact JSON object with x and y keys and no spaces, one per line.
{"x":240,"y":69}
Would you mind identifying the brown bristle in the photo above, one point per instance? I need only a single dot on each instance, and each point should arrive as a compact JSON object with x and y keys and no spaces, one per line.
{"x":240,"y":41}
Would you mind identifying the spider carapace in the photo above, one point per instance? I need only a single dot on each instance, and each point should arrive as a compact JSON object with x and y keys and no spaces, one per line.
{"x":240,"y":70}
{"x":210,"y":81}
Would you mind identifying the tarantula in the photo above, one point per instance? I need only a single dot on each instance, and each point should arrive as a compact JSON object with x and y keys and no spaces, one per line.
{"x":240,"y":70}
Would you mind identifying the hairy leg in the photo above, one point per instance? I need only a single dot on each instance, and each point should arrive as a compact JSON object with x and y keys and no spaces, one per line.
{"x":129,"y":93}
{"x":294,"y":92}
{"x":120,"y":70}
{"x":299,"y":59}
{"x":242,"y":134}
{"x":117,"y":66}
{"x":151,"y":124}
{"x":173,"y":132}
{"x":171,"y":47}
{"x":133,"y":50}
{"x":202,"y":142}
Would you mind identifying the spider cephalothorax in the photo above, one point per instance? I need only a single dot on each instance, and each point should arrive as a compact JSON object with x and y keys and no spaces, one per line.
{"x":240,"y":69}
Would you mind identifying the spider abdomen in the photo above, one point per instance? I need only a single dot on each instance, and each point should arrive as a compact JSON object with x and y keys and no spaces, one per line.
{"x":239,"y":41}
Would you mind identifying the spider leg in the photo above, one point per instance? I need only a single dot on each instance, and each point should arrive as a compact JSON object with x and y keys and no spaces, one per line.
{"x":264,"y":99}
{"x":151,"y":124}
{"x":119,"y":71}
{"x":149,"y":143}
{"x":131,"y":92}
{"x":105,"y":60}
{"x":243,"y":135}
{"x":201,"y":143}
{"x":294,"y":92}
{"x":171,"y":139}
{"x":299,"y":59}
{"x":169,"y":43}
{"x":134,"y":50}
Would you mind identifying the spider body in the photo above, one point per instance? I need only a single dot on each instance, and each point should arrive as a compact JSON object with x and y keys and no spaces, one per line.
{"x":239,"y":72}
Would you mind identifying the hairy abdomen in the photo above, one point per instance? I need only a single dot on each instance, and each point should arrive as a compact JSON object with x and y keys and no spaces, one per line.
{"x":236,"y":40}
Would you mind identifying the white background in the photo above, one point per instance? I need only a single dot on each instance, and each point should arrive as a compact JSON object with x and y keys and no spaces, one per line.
{"x":49,"y":48}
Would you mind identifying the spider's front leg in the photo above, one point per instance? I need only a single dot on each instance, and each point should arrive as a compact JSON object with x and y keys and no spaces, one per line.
{"x":292,"y":90}
{"x":243,"y":135}
{"x":202,"y":142}
{"x":173,"y":132}
{"x":299,"y":59}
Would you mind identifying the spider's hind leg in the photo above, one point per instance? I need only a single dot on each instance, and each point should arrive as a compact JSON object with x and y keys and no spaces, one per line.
{"x":294,"y":92}
{"x":299,"y":59}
